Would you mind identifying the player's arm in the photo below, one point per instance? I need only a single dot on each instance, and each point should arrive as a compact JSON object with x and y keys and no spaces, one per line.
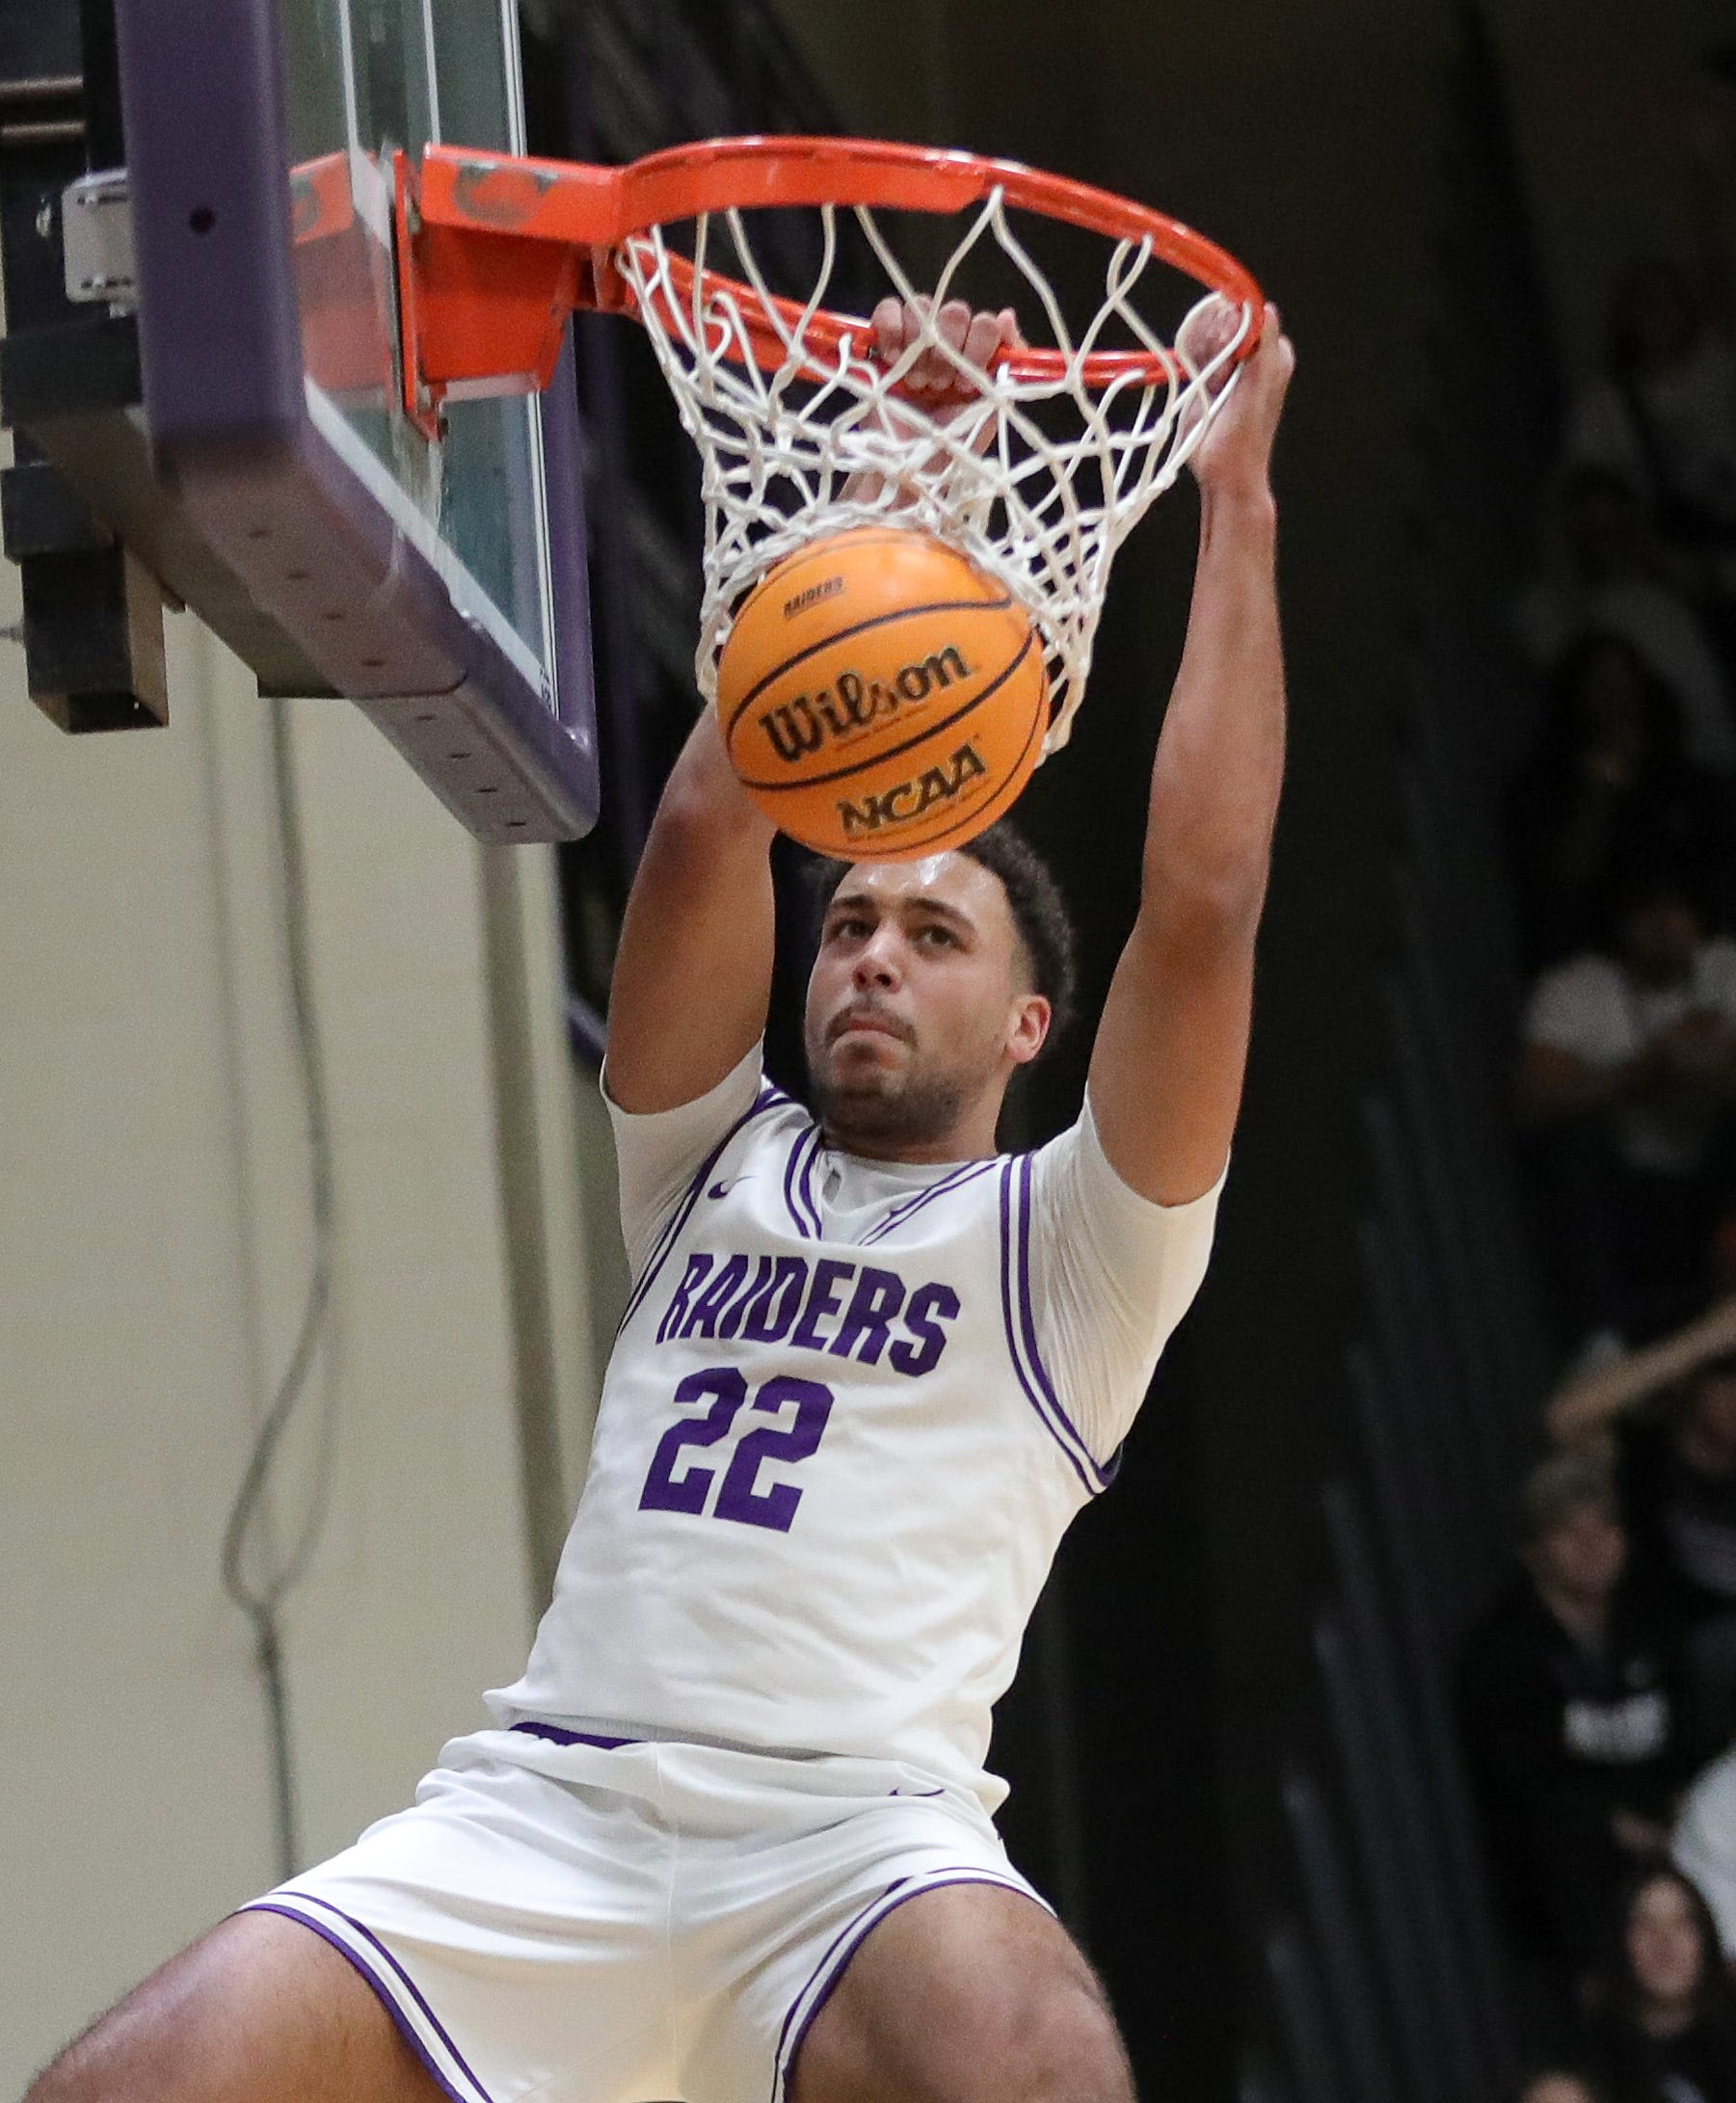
{"x":1166,"y":1073}
{"x":693,"y":973}
{"x":1589,"y":1403}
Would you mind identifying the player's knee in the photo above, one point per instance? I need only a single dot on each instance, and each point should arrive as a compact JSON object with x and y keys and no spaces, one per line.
{"x":1055,"y":2044}
{"x":188,"y":2033}
{"x":1079,"y":2056}
{"x":77,"y":2076}
{"x":124,"y":2058}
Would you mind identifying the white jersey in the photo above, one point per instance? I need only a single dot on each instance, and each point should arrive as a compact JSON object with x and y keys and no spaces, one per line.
{"x":851,"y":1410}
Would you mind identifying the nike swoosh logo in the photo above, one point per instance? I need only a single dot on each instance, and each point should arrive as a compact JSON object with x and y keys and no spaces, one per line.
{"x":723,"y":1190}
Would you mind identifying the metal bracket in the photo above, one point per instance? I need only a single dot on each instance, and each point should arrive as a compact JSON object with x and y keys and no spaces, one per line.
{"x":96,"y":220}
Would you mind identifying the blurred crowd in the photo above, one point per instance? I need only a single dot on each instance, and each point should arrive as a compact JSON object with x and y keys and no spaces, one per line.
{"x":1597,"y":1692}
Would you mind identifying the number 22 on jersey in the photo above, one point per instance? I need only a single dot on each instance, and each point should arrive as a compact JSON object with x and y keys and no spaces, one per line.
{"x":740,"y":1497}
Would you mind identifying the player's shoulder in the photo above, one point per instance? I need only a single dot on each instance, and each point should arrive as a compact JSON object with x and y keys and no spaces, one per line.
{"x":1074,"y":1155}
{"x":773,"y":1118}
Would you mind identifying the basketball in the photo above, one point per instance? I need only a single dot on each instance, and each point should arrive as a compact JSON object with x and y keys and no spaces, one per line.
{"x":881,"y":697}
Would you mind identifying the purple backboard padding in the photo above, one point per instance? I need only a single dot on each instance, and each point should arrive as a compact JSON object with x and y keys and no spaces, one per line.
{"x":220,"y":328}
{"x":221,"y":358}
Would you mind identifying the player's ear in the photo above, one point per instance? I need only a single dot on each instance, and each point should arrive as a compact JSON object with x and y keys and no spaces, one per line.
{"x":1031,"y":1016}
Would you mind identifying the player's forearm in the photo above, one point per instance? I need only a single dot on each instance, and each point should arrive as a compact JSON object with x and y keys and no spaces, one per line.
{"x":703,"y":811}
{"x":1588,"y":1403}
{"x":693,"y":972}
{"x":1220,"y":759}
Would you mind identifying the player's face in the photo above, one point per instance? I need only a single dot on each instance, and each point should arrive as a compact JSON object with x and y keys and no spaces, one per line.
{"x":1663,"y":1943}
{"x":1659,"y":941}
{"x":1554,"y":2087}
{"x":1584,"y":1551}
{"x":918,"y":1006}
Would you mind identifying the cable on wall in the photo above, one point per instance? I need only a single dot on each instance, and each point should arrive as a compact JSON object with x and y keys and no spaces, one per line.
{"x":261,"y":1600}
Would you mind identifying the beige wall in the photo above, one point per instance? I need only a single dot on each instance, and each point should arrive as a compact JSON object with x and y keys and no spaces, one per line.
{"x":153,"y":1252}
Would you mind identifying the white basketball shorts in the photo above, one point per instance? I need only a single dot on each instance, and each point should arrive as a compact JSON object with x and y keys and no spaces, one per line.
{"x":585,"y":1921}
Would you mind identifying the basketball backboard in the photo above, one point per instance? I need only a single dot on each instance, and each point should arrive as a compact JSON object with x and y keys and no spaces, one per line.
{"x":434,"y":575}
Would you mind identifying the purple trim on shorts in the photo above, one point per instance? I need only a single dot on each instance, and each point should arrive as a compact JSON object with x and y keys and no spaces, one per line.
{"x":769,"y":1097}
{"x":382,"y":1988}
{"x":780,"y":2066}
{"x":1032,"y":1394}
{"x":558,"y":1737}
{"x":904,"y":1210}
{"x":1027,"y":1322}
{"x":857,"y":1930}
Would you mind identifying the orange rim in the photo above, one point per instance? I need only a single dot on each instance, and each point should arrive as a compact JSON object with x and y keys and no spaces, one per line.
{"x":600,"y":208}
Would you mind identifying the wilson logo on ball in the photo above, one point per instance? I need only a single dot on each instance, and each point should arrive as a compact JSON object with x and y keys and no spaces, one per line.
{"x":913,"y":798}
{"x":899,"y":713}
{"x":799,"y":727}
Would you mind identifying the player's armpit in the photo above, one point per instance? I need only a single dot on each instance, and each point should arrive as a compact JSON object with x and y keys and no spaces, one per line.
{"x":692,"y":977}
{"x":1111,"y":1275}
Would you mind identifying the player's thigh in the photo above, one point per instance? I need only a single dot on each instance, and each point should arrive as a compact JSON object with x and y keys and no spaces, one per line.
{"x":969,"y":1995}
{"x":259,"y":2010}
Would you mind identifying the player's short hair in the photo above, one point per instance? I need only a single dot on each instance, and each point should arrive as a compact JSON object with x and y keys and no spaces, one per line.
{"x":1040,"y":916}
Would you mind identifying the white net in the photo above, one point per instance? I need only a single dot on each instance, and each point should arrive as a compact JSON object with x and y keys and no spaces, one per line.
{"x":1038,"y":480}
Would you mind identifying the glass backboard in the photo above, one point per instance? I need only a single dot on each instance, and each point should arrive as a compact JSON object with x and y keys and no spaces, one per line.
{"x":365,"y":77}
{"x":436,"y":576}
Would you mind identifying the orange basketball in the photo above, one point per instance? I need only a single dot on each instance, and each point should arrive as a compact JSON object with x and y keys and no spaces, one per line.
{"x":881,"y":696}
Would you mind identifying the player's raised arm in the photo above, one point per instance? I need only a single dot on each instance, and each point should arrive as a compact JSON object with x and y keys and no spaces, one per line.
{"x":1171,"y":1047}
{"x":693,"y":973}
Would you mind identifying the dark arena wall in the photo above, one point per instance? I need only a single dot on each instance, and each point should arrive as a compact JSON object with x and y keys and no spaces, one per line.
{"x":1229,"y":1748}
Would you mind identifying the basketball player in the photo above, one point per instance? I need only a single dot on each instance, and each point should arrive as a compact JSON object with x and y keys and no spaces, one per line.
{"x":730,"y":1840}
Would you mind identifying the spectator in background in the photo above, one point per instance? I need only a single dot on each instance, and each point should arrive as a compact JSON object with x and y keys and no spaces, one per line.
{"x":1559,"y":2085}
{"x":1663,"y":416}
{"x":1704,"y":1845}
{"x":1662,"y":2012}
{"x":1608,"y":787}
{"x":1573,"y":1718}
{"x":1605,"y":571}
{"x":1627,"y":1082}
{"x":1673,"y":1410}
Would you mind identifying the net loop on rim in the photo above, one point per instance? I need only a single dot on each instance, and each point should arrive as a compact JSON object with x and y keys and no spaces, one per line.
{"x":1037,"y":472}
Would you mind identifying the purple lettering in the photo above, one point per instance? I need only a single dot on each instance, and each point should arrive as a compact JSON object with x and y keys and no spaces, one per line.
{"x":824,"y":1296}
{"x":697,"y":1267}
{"x":929,"y":1306}
{"x":703,"y":1321}
{"x":767,"y":1319}
{"x":667,"y":1491}
{"x":730,"y":1323}
{"x":740,"y":1498}
{"x":879,"y":1295}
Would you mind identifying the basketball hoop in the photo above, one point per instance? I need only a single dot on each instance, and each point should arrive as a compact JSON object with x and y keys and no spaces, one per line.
{"x":1037,"y":470}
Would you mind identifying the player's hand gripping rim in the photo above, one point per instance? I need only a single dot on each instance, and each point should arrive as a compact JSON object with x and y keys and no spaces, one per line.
{"x":1234,"y":457}
{"x":941,"y":383}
